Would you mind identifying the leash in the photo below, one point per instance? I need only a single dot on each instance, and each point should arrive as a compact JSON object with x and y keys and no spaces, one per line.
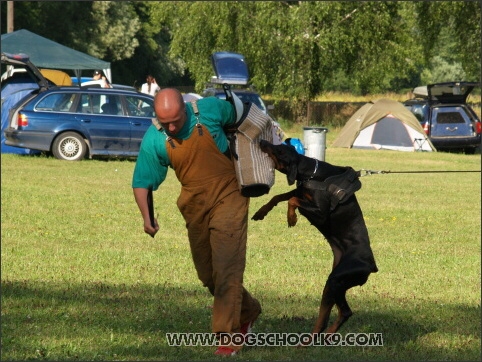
{"x":364,"y":172}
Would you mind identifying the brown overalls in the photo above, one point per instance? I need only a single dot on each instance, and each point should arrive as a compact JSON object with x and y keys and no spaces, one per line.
{"x":216,"y":216}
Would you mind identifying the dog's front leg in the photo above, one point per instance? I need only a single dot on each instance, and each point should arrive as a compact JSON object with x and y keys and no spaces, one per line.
{"x":293,"y":204}
{"x":265,"y":209}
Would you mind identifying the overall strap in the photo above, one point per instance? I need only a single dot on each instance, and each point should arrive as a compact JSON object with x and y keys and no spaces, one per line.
{"x":157,"y":124}
{"x":196,"y":114}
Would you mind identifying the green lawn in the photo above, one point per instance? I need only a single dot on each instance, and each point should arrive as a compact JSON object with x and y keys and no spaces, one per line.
{"x":81,"y":281}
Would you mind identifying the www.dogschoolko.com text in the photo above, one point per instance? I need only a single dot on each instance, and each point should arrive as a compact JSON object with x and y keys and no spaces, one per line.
{"x":275,"y":339}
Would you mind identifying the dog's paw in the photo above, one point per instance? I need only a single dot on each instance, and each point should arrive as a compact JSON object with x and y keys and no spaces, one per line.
{"x":292,"y":220}
{"x":261,"y":213}
{"x":258,"y":215}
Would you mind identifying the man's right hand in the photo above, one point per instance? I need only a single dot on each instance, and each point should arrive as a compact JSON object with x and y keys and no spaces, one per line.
{"x":149,"y":229}
{"x":145,"y":203}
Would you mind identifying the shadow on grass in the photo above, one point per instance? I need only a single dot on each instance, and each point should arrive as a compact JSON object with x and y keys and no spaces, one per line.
{"x":98,"y":321}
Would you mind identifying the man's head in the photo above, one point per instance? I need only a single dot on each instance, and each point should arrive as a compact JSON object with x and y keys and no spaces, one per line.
{"x":170,"y":110}
{"x":97,"y":74}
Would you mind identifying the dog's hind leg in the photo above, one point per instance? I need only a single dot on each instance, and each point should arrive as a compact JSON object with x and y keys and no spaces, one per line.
{"x":328,"y":298}
{"x":340,"y":288}
{"x":344,"y":312}
{"x":326,"y":305}
{"x":334,"y":293}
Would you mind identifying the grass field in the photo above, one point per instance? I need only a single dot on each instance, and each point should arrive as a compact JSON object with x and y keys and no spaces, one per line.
{"x":81,"y":281}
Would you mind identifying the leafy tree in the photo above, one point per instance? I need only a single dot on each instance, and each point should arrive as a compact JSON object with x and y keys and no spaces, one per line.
{"x":52,"y":20}
{"x":113,"y":34}
{"x":374,"y":58}
{"x":104,"y":29}
{"x":151,"y":55}
{"x":444,"y":65}
{"x":451,"y":31}
{"x":107,"y":29}
{"x":467,"y":28}
{"x":295,"y":48}
{"x":442,"y":71}
{"x":196,"y":30}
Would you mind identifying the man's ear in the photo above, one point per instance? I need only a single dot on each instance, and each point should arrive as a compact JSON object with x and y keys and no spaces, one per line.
{"x":291,"y":174}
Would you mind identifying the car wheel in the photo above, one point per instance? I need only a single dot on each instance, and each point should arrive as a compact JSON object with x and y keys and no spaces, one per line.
{"x":469,"y":150}
{"x":69,"y":146}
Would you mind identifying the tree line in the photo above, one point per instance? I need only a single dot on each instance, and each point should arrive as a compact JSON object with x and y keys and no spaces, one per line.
{"x":295,"y":50}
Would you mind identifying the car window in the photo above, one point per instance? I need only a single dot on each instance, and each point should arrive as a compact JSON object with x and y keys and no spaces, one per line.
{"x":140,"y":107}
{"x":91,"y":103}
{"x":85,"y":104}
{"x":252,"y":99}
{"x":59,"y":102}
{"x":246,"y":97}
{"x":450,"y":117}
{"x":110,"y":104}
{"x":100,"y":104}
{"x":420,"y":111}
{"x":471,"y":114}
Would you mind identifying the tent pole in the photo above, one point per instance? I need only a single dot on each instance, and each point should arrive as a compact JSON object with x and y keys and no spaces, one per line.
{"x":78,"y":74}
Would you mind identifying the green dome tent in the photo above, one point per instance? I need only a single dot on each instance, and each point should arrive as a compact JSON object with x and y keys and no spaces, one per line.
{"x":384,"y":125}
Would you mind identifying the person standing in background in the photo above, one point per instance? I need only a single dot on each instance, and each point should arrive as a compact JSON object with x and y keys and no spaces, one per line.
{"x":150,"y":87}
{"x":99,"y":75}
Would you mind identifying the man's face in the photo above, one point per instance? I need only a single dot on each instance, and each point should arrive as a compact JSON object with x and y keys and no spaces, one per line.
{"x":172,"y":122}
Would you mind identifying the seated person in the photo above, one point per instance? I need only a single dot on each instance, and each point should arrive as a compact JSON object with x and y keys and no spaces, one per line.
{"x":109,"y":108}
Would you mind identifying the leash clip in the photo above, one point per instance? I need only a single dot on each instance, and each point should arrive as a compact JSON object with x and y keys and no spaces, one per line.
{"x":364,"y":172}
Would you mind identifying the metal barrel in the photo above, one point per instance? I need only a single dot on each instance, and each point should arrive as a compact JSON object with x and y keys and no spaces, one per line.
{"x":314,"y":139}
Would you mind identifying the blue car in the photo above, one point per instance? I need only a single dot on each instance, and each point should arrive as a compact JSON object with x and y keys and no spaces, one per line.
{"x":77,"y":122}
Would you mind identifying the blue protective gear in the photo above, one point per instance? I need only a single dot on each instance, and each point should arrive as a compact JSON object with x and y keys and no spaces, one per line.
{"x":296,"y":143}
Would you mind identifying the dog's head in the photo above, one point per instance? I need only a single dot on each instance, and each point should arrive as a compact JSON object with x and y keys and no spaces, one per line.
{"x":285,"y":159}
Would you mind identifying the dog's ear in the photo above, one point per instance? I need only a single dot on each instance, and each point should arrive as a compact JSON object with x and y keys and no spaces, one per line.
{"x":291,"y":174}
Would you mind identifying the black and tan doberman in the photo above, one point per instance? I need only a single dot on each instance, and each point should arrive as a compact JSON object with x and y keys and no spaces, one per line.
{"x":325,"y":195}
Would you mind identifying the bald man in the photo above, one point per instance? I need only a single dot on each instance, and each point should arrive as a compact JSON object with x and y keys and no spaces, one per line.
{"x":192,"y":142}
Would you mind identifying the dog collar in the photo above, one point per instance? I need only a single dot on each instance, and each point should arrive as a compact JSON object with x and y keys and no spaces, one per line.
{"x":299,"y":183}
{"x":314,"y":172}
{"x":303,"y":182}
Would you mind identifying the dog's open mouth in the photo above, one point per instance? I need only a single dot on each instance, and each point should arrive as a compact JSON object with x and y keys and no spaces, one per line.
{"x":266,"y":148}
{"x":264,"y":145}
